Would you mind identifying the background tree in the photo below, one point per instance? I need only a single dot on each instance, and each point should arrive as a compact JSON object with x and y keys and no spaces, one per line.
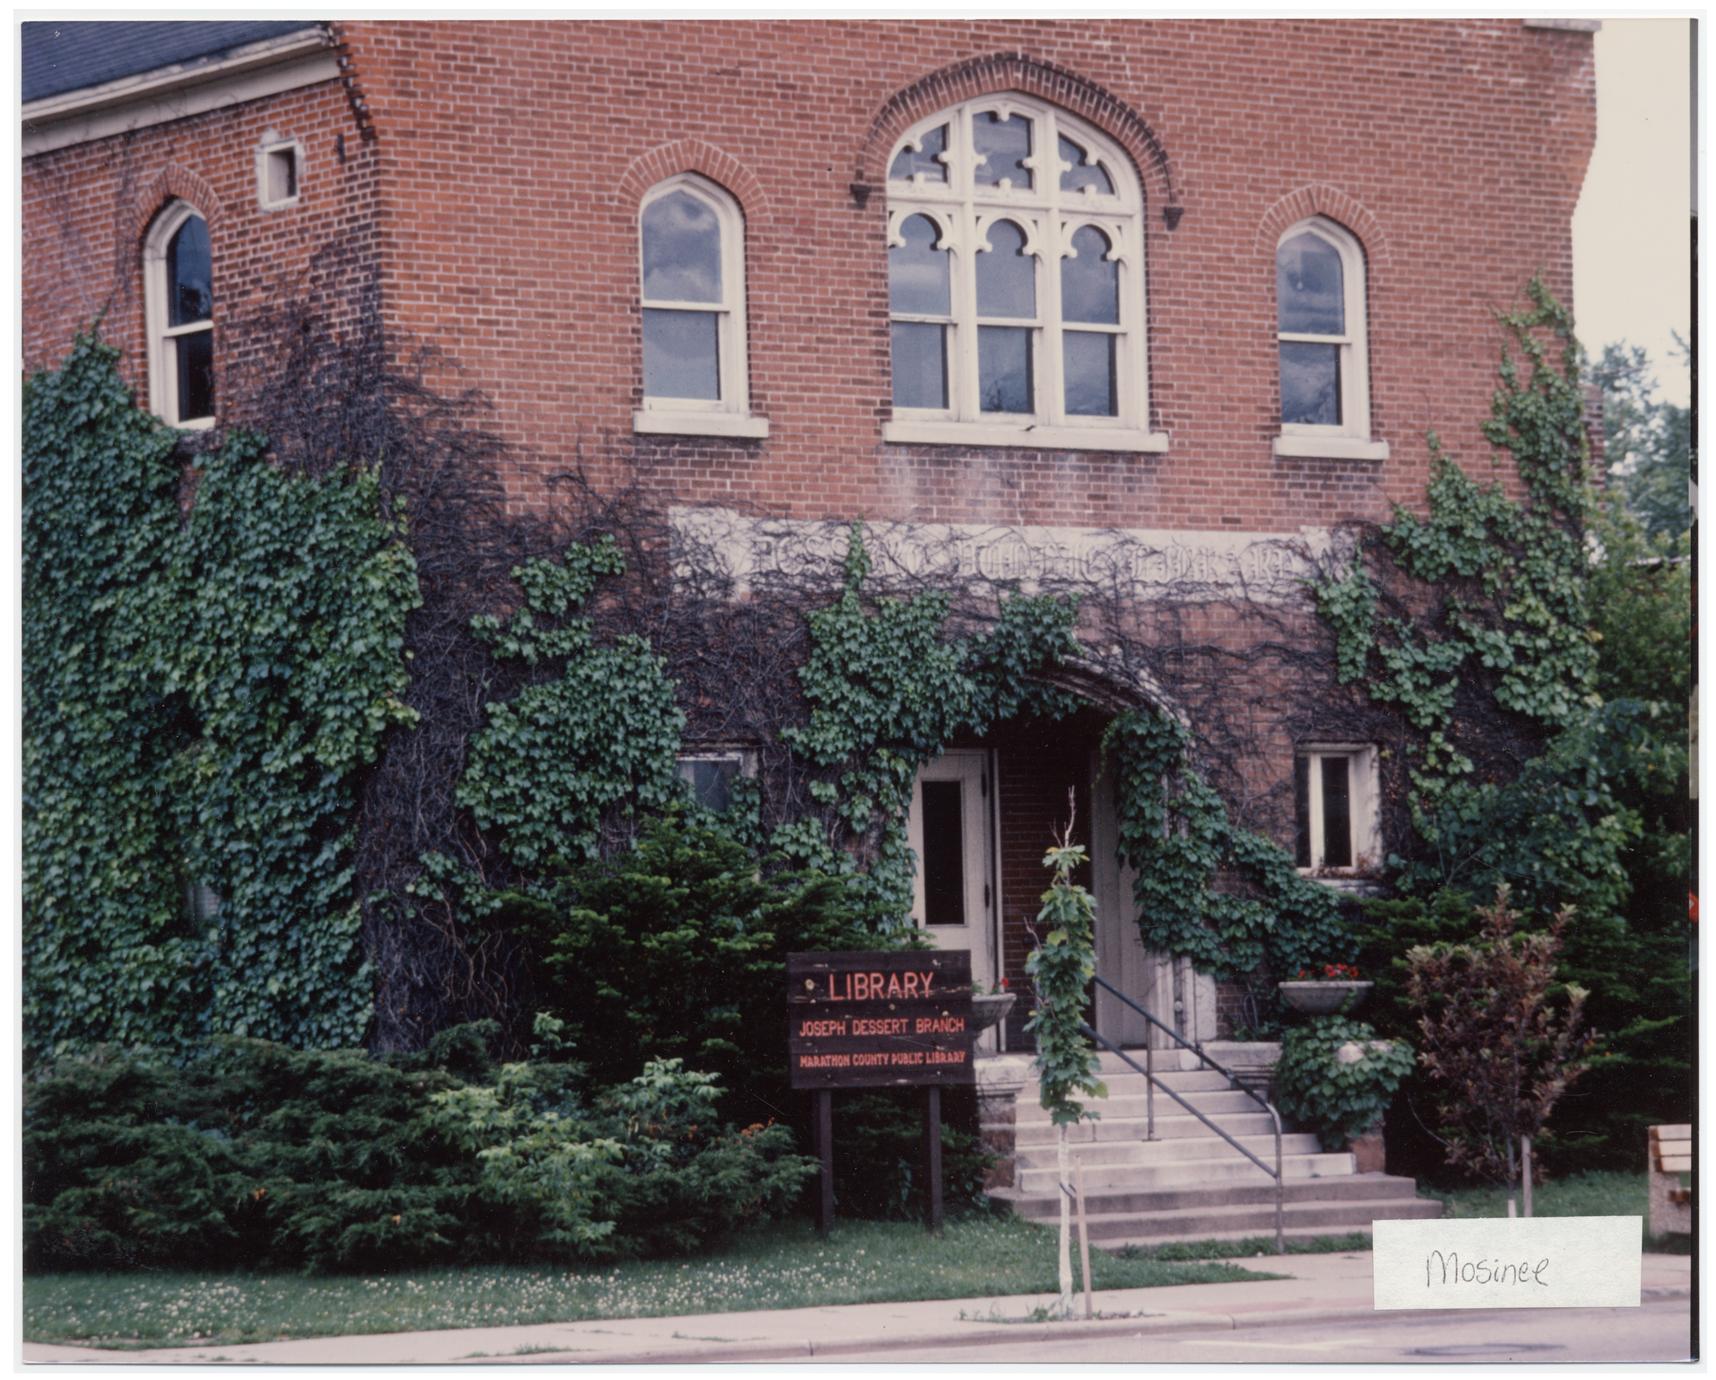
{"x":1648,"y":441}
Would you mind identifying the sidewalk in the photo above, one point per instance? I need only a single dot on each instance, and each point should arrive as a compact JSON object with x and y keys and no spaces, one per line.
{"x":1321,"y":1288}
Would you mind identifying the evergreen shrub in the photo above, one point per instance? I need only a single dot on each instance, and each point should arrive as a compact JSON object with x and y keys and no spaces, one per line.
{"x":676,"y":949}
{"x":268,"y":1157}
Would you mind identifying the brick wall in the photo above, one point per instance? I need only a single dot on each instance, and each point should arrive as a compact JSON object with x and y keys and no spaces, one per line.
{"x":515,"y":155}
{"x":494,"y":215}
{"x":498,"y":206}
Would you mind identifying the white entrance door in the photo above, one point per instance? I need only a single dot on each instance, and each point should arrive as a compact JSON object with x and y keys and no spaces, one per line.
{"x":951,"y":830}
{"x":1121,"y":958}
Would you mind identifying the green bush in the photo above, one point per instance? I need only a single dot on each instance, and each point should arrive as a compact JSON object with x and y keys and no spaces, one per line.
{"x":1336,"y":1077}
{"x":676,"y":949}
{"x":271,"y":1157}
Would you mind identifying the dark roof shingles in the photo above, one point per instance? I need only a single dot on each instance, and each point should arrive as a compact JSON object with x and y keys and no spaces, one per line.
{"x":60,"y":57}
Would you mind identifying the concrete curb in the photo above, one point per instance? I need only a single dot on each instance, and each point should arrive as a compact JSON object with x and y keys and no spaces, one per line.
{"x":1000,"y":1334}
{"x":949,"y":1336}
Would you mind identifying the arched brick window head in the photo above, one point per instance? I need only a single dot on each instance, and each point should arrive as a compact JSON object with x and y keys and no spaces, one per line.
{"x":1016,"y":282}
{"x":178,"y":302}
{"x":691,"y":246}
{"x":1321,"y":338}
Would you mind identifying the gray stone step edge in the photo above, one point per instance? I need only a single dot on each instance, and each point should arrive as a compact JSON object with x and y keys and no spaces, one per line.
{"x":1346,"y":1187}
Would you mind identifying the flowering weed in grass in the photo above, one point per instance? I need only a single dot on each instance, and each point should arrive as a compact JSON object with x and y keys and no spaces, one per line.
{"x":784,"y":1265}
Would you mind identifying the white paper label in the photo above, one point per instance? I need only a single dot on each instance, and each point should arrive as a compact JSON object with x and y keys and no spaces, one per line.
{"x":1508,"y":1262}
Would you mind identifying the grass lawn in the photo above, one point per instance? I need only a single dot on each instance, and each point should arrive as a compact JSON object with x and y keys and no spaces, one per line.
{"x":1579,"y":1195}
{"x":784,"y":1265}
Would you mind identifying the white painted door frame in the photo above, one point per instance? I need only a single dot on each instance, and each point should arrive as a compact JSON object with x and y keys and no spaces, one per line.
{"x":972,"y":769}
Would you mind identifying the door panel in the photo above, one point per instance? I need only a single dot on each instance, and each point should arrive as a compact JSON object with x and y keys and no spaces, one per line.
{"x":1120,"y":954}
{"x":951,"y":831}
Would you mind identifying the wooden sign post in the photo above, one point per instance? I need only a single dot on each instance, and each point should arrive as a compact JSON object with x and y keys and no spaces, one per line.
{"x":879,"y":1020}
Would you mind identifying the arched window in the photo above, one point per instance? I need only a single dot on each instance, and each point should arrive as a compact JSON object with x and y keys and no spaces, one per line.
{"x":1016,"y":282}
{"x":1320,"y":332}
{"x":178,"y":304}
{"x":691,"y":244}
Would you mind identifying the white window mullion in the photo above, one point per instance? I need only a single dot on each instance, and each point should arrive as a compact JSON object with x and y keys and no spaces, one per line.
{"x":967,"y":407}
{"x":1314,"y":803}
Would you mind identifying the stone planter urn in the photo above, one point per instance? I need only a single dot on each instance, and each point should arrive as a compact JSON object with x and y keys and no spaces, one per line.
{"x":990,"y":1008}
{"x":1323,"y":996}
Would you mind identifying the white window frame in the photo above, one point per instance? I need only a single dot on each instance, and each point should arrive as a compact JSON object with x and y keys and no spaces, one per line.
{"x":268,"y":149}
{"x":730,"y":414}
{"x":1351,"y":438}
{"x":1364,"y":807}
{"x":163,"y":358}
{"x":963,"y":211}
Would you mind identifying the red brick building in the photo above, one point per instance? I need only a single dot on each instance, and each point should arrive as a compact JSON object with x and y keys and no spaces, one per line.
{"x":1173,"y":299}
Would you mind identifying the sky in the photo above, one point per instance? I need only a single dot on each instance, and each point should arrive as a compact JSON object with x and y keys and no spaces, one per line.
{"x":1632,"y":274}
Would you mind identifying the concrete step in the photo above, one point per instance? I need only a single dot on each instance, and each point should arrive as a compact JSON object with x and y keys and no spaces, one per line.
{"x":1320,"y":1218}
{"x":1180,"y":1126}
{"x":1184,"y":1148}
{"x":1172,"y":1061}
{"x":1170,"y":1174}
{"x":1133,"y":1104}
{"x":1234,"y":1224}
{"x":1344,"y":1188}
{"x":1180,"y":1080}
{"x":1185,"y":1138}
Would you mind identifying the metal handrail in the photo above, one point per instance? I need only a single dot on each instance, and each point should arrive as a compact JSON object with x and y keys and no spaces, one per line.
{"x":1151,"y":1082}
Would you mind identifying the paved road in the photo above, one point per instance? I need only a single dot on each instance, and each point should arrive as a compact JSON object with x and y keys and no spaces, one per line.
{"x":1657,"y":1331}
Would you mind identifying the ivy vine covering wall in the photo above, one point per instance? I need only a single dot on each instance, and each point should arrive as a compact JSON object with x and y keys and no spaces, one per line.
{"x":558,"y":757}
{"x":199,"y":689}
{"x":890,"y":688}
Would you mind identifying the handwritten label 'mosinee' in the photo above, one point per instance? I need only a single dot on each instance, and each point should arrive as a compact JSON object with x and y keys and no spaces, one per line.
{"x":879,"y":986}
{"x":1507,"y":1262}
{"x":1450,"y":1269}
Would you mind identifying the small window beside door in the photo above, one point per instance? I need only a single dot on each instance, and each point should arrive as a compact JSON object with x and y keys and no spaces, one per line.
{"x":944,"y":852}
{"x":1336,"y":796}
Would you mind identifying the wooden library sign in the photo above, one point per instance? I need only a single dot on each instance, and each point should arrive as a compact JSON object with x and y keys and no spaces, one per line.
{"x":880,"y":1020}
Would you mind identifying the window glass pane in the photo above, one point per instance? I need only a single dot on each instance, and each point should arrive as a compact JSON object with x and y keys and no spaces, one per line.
{"x":1004,"y":369}
{"x":1006,"y":274}
{"x":1337,"y":814}
{"x":1302,"y":812}
{"x":681,"y":250}
{"x":196,"y":375}
{"x":1090,"y":283}
{"x":920,"y":364}
{"x":1308,"y":286}
{"x":1004,"y":144}
{"x":1311,"y":384}
{"x":189,"y":295}
{"x":1080,"y":176}
{"x":711,"y":780}
{"x":1089,"y":363}
{"x":917,"y":270}
{"x":925,"y":161}
{"x":680,"y":359}
{"x":944,"y":854}
{"x":282,"y":175}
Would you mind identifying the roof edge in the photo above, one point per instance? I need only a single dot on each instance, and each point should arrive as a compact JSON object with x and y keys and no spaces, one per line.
{"x":179,"y":75}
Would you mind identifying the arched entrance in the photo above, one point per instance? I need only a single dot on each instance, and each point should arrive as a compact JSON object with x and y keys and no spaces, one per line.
{"x":983,"y":815}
